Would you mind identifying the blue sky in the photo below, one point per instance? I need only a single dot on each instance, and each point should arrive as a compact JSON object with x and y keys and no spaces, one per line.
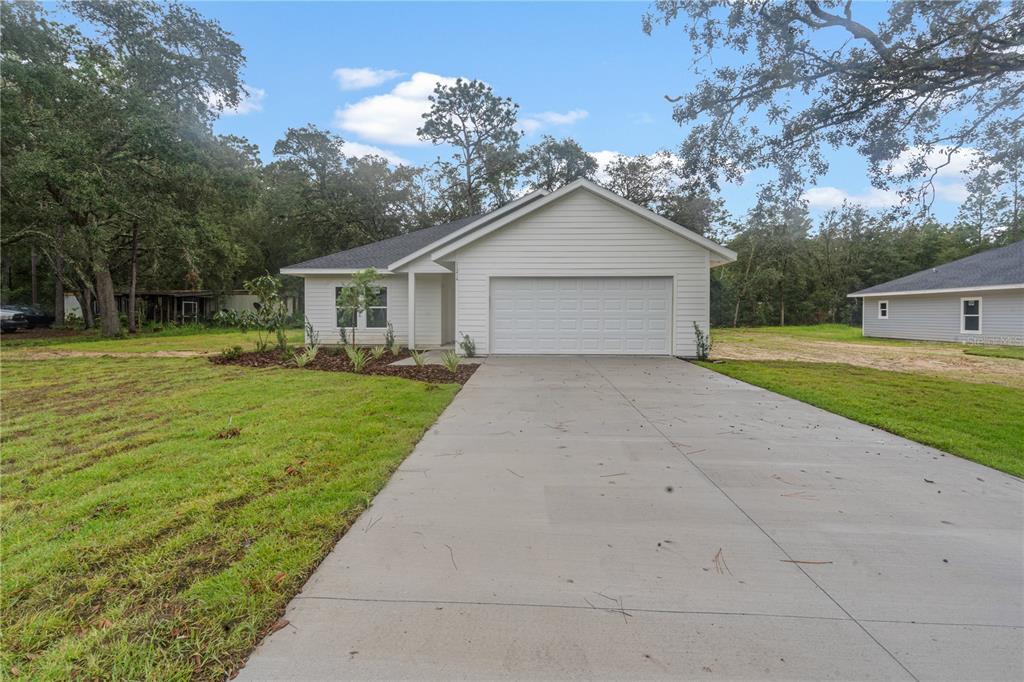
{"x":578,"y":69}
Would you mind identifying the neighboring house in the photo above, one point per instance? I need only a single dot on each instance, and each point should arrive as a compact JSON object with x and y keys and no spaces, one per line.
{"x":180,"y":306}
{"x":978,"y":299}
{"x":578,"y":270}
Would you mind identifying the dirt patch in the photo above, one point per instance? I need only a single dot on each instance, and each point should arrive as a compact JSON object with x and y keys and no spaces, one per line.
{"x":43,"y":333}
{"x":327,"y":361}
{"x":944,"y":360}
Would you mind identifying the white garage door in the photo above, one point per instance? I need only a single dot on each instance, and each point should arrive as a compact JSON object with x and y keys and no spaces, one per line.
{"x":581,"y":315}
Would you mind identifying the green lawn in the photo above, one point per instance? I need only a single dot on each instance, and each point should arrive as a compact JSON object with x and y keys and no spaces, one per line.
{"x":1012,"y":352}
{"x":203,"y":340}
{"x":159,"y":513}
{"x":981,"y":422}
{"x":820,"y":332}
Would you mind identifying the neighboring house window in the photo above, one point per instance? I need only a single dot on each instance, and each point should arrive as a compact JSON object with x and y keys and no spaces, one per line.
{"x":346,"y":316}
{"x":883,"y":310}
{"x":970,"y":315}
{"x":377,"y":311}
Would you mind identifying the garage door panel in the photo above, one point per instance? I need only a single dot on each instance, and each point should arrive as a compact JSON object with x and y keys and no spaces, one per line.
{"x":581,"y":315}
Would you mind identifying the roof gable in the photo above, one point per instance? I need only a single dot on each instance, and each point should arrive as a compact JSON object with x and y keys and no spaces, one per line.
{"x":720,"y":254}
{"x":391,"y":254}
{"x":995,"y":268}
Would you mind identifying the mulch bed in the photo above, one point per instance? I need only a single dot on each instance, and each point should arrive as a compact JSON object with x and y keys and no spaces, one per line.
{"x":328,"y":361}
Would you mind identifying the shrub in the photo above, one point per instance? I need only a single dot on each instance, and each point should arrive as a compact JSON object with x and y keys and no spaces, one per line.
{"x":468,"y":346}
{"x":357,"y":356}
{"x":312,"y":335}
{"x":389,"y":338}
{"x":451,"y":360}
{"x":378,"y":352}
{"x":419,"y":357}
{"x":232,"y":353}
{"x":226,"y":318}
{"x":271,"y":310}
{"x":703,"y":342}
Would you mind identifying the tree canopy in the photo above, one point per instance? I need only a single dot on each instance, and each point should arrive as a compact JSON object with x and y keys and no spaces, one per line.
{"x":910,"y":92}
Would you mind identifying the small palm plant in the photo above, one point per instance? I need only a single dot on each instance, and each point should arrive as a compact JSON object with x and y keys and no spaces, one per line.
{"x":378,"y":352}
{"x":358,"y":358}
{"x":418,"y":356}
{"x":307,"y":355}
{"x":451,"y":360}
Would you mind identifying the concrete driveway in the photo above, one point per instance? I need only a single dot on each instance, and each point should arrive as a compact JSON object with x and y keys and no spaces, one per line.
{"x":573,"y":517}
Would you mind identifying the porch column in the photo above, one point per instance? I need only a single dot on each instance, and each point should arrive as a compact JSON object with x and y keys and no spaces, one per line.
{"x":412,"y":311}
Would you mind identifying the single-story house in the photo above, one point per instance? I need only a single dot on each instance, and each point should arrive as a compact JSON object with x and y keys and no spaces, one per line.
{"x":977,"y":299}
{"x":577,"y":270}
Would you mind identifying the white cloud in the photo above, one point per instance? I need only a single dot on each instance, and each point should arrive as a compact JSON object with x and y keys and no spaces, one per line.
{"x":604,"y":159}
{"x":392,"y":118}
{"x":357,"y":79}
{"x":951,"y":163}
{"x":955,"y":192}
{"x":359,"y":149}
{"x":834,"y":197}
{"x":535,"y":122}
{"x":251,"y":101}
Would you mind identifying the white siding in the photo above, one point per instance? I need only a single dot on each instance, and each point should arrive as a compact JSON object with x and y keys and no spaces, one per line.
{"x":936,"y":317}
{"x":582,"y":235}
{"x":321,"y":309}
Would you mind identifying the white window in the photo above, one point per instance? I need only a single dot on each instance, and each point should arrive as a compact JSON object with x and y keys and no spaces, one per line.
{"x":970,"y":315}
{"x":377,"y":311}
{"x":883,"y":310}
{"x":376,"y":314}
{"x":189,"y":309}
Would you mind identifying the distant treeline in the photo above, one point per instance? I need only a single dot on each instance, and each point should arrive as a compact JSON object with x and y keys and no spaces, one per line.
{"x":114,"y":180}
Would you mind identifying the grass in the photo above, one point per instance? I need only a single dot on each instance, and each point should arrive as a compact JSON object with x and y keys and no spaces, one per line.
{"x":981,"y":422}
{"x":1012,"y":352}
{"x":820,"y":332}
{"x":189,"y":339}
{"x":158,"y":513}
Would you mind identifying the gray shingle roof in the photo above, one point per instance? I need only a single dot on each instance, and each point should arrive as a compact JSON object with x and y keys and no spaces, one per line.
{"x":385,"y":252}
{"x":994,"y":267}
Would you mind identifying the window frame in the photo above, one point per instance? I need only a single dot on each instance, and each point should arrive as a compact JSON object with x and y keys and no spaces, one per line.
{"x":379,"y":289}
{"x":964,"y":315}
{"x":884,"y":302}
{"x":362,"y":317}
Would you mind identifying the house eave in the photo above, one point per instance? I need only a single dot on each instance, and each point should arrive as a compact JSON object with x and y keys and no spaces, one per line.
{"x":919,"y":292}
{"x":312,"y":272}
{"x":447,"y":239}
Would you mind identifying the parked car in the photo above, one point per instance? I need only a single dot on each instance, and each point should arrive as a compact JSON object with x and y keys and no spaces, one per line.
{"x":36,"y":316}
{"x":12,"y":320}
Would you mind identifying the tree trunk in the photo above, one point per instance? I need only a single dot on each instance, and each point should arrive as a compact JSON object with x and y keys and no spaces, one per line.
{"x":34,"y":260}
{"x":110,"y":323}
{"x":131,"y":289}
{"x":58,"y":293}
{"x":85,"y":300}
